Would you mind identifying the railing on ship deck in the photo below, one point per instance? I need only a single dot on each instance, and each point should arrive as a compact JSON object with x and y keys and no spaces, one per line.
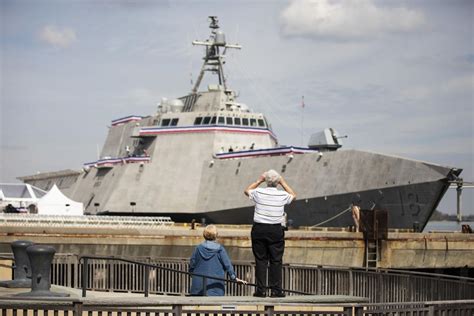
{"x":377,"y":285}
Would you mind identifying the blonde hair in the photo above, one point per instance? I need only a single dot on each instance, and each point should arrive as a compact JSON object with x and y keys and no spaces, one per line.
{"x":210,"y":232}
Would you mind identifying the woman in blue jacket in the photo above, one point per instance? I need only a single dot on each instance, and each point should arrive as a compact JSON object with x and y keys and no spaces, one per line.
{"x":210,"y":258}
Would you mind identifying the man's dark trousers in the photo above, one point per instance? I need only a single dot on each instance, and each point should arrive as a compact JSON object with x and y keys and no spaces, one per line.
{"x":268,"y":245}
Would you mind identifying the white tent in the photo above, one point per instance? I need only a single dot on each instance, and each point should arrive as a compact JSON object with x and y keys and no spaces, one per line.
{"x":56,"y":203}
{"x":19,"y":197}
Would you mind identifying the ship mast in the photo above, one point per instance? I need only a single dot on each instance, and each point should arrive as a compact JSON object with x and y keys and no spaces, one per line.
{"x":214,"y":58}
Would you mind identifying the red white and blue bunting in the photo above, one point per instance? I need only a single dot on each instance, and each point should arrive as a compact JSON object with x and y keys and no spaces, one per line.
{"x":127,"y":119}
{"x":152,"y":131}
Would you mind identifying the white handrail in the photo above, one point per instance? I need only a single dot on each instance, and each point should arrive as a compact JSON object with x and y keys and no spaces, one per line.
{"x":86,"y":221}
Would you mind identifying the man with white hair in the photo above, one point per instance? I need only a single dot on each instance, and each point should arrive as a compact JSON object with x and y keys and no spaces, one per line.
{"x":268,"y":235}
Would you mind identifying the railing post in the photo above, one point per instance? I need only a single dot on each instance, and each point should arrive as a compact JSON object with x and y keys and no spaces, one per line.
{"x":358,"y":310}
{"x":77,"y":310}
{"x":347,"y":310}
{"x":204,"y":286}
{"x":146,"y":280}
{"x":269,"y":310}
{"x":177,"y":310}
{"x":351,"y":282}
{"x":85,"y":272}
{"x":431,"y":310}
{"x":320,"y":276}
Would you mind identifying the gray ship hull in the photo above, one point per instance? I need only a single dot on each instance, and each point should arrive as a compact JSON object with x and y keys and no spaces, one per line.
{"x":407,"y":206}
{"x":327,"y":184}
{"x":314,"y":211}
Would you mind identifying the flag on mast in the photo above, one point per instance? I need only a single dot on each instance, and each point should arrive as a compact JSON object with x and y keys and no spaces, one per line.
{"x":302,"y":120}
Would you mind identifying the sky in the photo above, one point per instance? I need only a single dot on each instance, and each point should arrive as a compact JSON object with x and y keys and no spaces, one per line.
{"x":395,"y":76}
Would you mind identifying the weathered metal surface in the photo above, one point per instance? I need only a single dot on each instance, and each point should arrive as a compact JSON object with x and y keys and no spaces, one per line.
{"x":22,"y":268}
{"x":40,"y":258}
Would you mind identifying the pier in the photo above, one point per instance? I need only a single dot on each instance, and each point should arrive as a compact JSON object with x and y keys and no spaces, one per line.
{"x":131,"y":304}
{"x":141,"y":266}
{"x":164,"y":239}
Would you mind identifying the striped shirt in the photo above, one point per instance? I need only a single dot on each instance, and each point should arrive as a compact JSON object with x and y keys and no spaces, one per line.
{"x":269,"y":205}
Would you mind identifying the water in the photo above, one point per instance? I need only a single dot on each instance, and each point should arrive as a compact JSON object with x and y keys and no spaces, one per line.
{"x":446,"y":225}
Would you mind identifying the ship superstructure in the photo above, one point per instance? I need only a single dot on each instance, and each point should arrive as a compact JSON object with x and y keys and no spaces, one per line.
{"x":193,"y":158}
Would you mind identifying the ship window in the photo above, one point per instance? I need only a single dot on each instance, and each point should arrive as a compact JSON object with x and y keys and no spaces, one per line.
{"x":266,"y":122}
{"x":253,"y":122}
{"x":213,"y":120}
{"x":261,"y":123}
{"x":206,"y":120}
{"x":221,"y":120}
{"x":237,"y":121}
{"x":174,"y":122}
{"x":245,"y":121}
{"x":165,"y":122}
{"x":228,"y":121}
{"x":198,"y":121}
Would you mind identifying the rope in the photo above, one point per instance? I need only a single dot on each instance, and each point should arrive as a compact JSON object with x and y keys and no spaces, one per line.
{"x":335,"y":216}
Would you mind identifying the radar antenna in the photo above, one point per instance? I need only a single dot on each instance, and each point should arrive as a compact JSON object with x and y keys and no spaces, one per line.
{"x":214,"y":58}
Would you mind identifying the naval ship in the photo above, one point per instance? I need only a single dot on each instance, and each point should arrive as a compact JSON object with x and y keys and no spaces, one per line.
{"x":193,"y":158}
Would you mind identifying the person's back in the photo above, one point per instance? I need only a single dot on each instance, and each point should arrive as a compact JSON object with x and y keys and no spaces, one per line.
{"x":269,"y":204}
{"x":210,"y":258}
{"x":268,"y":236}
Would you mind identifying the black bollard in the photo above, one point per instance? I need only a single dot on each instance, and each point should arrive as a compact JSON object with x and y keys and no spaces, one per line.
{"x":22,"y":267}
{"x":41,"y":257}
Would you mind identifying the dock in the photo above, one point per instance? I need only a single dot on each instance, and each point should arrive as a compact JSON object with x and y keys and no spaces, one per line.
{"x":325,"y":247}
{"x":132,"y":267}
{"x":132,"y":304}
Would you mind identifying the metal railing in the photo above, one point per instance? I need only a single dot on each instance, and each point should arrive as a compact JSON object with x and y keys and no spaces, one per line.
{"x":167,"y":278}
{"x":76,"y":307}
{"x":142,"y":272}
{"x":35,"y":220}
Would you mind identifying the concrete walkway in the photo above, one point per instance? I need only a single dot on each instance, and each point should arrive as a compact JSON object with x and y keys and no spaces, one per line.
{"x":134,"y":299}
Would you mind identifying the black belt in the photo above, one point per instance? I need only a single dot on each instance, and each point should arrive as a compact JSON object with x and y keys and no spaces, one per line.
{"x":266,"y":224}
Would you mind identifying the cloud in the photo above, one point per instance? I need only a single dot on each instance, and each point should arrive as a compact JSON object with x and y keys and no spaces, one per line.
{"x":58,"y":37}
{"x":140,"y":98}
{"x":449,"y":87}
{"x":348,"y":19}
{"x":470,"y":58}
{"x":459,"y":84}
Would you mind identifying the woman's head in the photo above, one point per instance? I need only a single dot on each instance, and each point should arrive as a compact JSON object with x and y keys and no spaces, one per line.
{"x":272,"y":178}
{"x":210,"y":232}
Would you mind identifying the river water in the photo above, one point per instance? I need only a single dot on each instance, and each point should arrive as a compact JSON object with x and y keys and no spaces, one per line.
{"x":446,"y":226}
